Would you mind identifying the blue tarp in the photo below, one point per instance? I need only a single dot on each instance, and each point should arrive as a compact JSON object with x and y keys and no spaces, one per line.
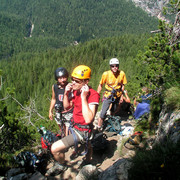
{"x":141,"y":109}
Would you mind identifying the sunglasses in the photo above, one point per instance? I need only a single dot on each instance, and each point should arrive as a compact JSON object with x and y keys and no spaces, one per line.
{"x":116,"y":65}
{"x":76,"y":80}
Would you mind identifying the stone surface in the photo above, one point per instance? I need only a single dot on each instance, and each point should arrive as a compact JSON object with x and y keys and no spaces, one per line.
{"x":88,"y":172}
{"x":152,"y":7}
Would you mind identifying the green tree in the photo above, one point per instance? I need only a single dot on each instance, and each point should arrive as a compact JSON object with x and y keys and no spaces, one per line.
{"x":158,"y":66}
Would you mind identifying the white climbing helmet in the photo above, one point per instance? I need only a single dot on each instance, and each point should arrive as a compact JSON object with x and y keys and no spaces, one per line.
{"x":113,"y":61}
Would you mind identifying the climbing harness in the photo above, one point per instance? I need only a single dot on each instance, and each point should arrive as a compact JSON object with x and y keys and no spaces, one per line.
{"x":113,"y":94}
{"x":59,"y":118}
{"x":83,"y":135}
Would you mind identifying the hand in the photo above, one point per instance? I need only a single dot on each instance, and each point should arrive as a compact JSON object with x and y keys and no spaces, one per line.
{"x":51,"y":116}
{"x":68,"y":88}
{"x":84,"y":91}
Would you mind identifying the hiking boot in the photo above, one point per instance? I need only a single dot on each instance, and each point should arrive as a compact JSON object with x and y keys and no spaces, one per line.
{"x":100,"y":129}
{"x":56,"y":169}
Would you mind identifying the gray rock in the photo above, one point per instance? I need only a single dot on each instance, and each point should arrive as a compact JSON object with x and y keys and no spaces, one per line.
{"x":22,"y":176}
{"x":119,"y":170}
{"x":14,"y":171}
{"x":152,"y":7}
{"x":37,"y":175}
{"x":88,"y":172}
{"x":168,"y":126}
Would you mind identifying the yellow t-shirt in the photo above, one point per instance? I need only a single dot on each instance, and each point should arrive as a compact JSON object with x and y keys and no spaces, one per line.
{"x":110,"y":80}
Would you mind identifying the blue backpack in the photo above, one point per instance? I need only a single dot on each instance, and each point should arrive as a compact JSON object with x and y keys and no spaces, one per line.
{"x":112,"y":124}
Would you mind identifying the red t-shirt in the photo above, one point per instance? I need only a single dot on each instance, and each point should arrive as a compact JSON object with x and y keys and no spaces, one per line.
{"x":92,"y":98}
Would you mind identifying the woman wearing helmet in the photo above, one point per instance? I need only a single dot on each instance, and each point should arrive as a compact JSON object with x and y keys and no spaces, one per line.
{"x":85,"y":101}
{"x":114,"y":81}
{"x":61,"y":76}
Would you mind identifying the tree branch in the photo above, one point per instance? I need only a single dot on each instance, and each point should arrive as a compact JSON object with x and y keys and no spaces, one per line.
{"x":156,"y":31}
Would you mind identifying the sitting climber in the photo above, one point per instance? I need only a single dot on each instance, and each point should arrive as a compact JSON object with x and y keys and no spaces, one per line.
{"x":143,"y":104}
{"x":125,"y":107}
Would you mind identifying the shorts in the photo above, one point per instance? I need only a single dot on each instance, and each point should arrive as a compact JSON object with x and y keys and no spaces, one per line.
{"x":66,"y":118}
{"x":58,"y":118}
{"x":68,"y":141}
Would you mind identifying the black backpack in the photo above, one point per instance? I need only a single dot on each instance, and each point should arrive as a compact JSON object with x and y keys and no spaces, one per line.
{"x":99,"y":142}
{"x":27,"y":160}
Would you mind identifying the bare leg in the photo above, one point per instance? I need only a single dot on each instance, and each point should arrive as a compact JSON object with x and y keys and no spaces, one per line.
{"x":100,"y":122}
{"x":57,"y":149}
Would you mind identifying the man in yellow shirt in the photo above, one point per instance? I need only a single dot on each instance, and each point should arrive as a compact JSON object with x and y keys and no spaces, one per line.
{"x":114,"y":81}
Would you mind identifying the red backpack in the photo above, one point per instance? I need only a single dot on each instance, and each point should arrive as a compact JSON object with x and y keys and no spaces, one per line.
{"x":48,"y":139}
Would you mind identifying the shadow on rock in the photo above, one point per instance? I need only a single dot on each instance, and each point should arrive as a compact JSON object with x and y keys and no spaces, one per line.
{"x":100,"y":155}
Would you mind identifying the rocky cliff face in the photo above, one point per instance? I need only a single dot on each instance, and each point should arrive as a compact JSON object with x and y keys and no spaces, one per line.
{"x":152,"y":7}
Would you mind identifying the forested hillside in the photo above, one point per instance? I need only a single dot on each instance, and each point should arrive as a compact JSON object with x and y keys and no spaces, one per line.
{"x":33,"y":74}
{"x":59,"y":23}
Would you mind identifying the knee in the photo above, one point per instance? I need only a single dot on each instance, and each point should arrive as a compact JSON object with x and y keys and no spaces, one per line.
{"x":54,"y":149}
{"x":57,"y":147}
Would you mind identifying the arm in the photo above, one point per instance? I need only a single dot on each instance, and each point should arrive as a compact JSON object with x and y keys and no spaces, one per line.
{"x":122,"y":97}
{"x":126,"y":97}
{"x":66,"y":102}
{"x":99,"y":88}
{"x":102,"y":81}
{"x":88,"y":110}
{"x":53,"y":101}
{"x":122,"y":87}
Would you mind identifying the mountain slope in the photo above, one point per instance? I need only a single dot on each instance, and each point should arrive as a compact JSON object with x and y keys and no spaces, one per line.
{"x":58,"y":23}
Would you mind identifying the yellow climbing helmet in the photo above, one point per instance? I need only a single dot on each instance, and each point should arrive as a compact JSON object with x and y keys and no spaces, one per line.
{"x":81,"y":72}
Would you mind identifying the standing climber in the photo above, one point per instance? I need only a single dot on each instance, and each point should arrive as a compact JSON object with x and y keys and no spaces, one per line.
{"x":61,"y":76}
{"x":85,"y":101}
{"x":114,"y":81}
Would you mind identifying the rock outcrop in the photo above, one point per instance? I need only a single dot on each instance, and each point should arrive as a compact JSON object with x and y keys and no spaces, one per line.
{"x":168,"y":129}
{"x":152,"y":7}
